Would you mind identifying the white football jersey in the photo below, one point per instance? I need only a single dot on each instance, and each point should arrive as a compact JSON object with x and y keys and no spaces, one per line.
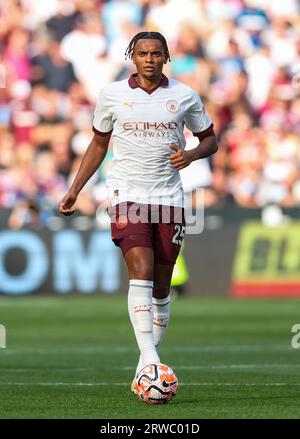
{"x":144,"y":124}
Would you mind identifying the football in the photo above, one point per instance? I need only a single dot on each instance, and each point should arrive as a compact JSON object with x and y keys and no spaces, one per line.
{"x":156,"y":384}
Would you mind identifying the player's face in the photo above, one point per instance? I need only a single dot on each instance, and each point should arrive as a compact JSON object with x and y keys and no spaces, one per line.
{"x":149,"y":58}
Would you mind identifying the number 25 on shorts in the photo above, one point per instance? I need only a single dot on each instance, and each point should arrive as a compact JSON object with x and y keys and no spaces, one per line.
{"x":178,"y":234}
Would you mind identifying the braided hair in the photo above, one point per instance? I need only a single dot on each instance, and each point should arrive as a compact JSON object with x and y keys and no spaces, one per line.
{"x":148,"y":36}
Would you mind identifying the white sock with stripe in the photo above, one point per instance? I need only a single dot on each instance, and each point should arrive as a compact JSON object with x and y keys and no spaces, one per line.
{"x":141,"y":316}
{"x":161,"y":317}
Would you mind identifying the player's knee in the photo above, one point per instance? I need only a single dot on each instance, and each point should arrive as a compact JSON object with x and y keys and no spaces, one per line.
{"x":161,"y":291}
{"x":141,"y":269}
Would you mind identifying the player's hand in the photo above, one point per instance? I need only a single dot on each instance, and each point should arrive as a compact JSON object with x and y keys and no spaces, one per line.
{"x":181,"y":158}
{"x":67,"y":203}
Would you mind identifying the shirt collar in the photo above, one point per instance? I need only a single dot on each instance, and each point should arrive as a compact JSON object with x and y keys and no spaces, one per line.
{"x":164,"y":82}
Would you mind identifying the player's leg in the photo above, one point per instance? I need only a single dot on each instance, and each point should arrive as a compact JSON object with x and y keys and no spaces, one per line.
{"x":161,"y":300}
{"x":168,"y":240}
{"x":162,"y":274}
{"x":140,"y":265}
{"x":135,"y":241}
{"x":166,"y":250}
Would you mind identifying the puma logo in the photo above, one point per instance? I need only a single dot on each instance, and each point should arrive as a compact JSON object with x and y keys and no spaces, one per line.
{"x":128,"y":104}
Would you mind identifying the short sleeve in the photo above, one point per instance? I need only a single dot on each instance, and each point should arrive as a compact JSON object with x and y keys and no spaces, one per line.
{"x":102,"y":121}
{"x":196,"y":118}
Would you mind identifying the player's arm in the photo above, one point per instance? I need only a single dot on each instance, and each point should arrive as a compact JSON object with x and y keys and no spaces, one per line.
{"x":181,"y":158}
{"x":91,"y":161}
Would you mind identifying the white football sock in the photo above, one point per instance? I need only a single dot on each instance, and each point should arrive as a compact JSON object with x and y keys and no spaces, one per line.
{"x":141,"y":315}
{"x":161,"y":317}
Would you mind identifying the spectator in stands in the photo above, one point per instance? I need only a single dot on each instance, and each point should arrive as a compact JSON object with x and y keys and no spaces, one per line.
{"x":52,"y":70}
{"x":242,"y":56}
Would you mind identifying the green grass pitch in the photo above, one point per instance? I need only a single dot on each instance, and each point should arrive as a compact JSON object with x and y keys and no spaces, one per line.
{"x":74,"y":357}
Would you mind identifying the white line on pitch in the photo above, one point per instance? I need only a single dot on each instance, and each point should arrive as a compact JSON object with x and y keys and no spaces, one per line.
{"x":242,"y":384}
{"x":48,"y":369}
{"x":122,"y":349}
{"x":236,"y":366}
{"x":179,"y":367}
{"x":220,"y":366}
{"x":128,"y":384}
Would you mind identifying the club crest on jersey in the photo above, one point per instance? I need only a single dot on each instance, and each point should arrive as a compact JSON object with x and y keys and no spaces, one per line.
{"x":121,"y":222}
{"x":172,"y":106}
{"x":128,"y":104}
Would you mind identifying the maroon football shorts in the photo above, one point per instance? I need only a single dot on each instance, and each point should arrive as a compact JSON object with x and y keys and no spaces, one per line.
{"x":158,"y":227}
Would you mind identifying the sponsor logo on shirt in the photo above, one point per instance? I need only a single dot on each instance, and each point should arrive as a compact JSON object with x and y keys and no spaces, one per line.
{"x":150,"y":129}
{"x":146,"y":126}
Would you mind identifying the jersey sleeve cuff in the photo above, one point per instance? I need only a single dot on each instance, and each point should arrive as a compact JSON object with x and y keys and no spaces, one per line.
{"x":101,"y":133}
{"x":206,"y":133}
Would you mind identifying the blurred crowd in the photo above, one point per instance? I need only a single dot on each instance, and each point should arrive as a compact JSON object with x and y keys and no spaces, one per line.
{"x":242,"y":57}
